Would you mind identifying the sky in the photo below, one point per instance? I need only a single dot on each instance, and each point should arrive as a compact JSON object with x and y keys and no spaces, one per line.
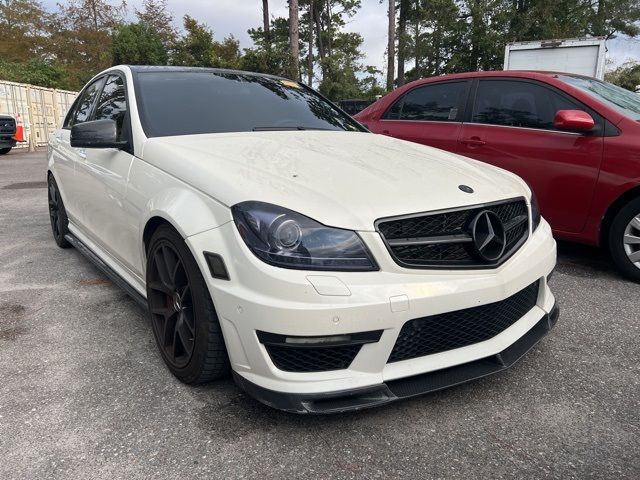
{"x":235,"y":17}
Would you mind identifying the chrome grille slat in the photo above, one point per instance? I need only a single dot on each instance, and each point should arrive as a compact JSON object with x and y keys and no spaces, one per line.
{"x":431,"y":240}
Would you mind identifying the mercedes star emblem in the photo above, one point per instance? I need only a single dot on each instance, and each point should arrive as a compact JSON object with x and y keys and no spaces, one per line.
{"x":489,"y":237}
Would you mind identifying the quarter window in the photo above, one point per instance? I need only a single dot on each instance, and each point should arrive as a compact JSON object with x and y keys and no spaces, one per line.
{"x":112,"y":104}
{"x":437,"y":102}
{"x":518,"y":104}
{"x":83,"y":109}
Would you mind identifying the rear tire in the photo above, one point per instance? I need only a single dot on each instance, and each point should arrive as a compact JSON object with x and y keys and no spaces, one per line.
{"x":624,"y":240}
{"x":184,"y":320}
{"x":4,"y":151}
{"x":57,"y":214}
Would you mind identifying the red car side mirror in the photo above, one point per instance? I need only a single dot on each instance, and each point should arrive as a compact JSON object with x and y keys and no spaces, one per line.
{"x":573,"y":120}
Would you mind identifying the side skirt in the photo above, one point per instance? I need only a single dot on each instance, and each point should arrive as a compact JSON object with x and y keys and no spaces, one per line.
{"x":107,"y":270}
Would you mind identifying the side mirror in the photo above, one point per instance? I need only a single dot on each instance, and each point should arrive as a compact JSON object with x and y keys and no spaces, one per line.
{"x":96,"y":134}
{"x":573,"y":121}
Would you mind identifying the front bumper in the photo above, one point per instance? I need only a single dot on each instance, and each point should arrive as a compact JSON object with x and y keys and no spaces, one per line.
{"x":376,"y":395}
{"x":7,"y":141}
{"x":261,"y":298}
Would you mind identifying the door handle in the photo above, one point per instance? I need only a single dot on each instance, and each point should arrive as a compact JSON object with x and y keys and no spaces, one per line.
{"x":82,"y":153}
{"x":387,"y":133}
{"x":473,"y":142}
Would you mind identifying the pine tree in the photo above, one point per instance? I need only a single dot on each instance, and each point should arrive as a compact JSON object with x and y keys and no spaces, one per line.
{"x":294,"y":39}
{"x":265,"y":23}
{"x":391,"y":45}
{"x":402,"y":40}
{"x":138,"y":44}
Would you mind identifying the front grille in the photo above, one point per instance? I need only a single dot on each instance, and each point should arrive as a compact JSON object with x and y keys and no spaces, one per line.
{"x":7,"y":125}
{"x":447,"y":331}
{"x":443,"y":252}
{"x":443,"y":239}
{"x":309,"y":359}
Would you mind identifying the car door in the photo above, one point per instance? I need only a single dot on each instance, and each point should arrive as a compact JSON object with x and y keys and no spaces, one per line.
{"x":63,"y":159}
{"x":511,"y":126}
{"x":102,"y":175}
{"x":428,"y":114}
{"x":66,"y":156}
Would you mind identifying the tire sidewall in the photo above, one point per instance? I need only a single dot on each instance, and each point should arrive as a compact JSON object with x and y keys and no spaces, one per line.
{"x":62,"y":213}
{"x":201,"y":299}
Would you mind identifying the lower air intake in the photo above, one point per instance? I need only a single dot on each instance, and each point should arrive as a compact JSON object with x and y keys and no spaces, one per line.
{"x":305,"y":359}
{"x":447,"y":331}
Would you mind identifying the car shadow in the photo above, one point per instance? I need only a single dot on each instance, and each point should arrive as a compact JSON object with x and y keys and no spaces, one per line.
{"x":584,"y":261}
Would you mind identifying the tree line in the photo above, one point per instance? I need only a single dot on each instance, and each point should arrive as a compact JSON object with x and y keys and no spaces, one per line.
{"x":448,"y":36}
{"x":66,"y":47}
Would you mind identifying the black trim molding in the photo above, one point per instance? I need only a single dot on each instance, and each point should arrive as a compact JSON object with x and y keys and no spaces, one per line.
{"x":107,"y":270}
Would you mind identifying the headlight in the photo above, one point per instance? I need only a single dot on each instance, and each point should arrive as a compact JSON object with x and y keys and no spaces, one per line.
{"x":535,"y":212}
{"x":288,"y":239}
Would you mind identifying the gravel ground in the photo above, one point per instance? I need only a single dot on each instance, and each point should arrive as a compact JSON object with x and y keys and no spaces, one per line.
{"x":84,"y":394}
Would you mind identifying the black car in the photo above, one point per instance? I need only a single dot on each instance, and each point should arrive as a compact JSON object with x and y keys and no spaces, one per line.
{"x":354,"y":106}
{"x":7,"y":134}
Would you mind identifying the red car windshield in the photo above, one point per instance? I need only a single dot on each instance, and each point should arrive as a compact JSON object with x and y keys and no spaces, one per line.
{"x":626,"y":102}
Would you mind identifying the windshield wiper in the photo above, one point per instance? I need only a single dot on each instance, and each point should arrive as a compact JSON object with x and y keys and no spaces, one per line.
{"x":284,"y":129}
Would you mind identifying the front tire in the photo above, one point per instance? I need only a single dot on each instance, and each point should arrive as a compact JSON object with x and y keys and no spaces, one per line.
{"x":184,"y":320}
{"x":4,"y":151}
{"x":57,"y":214}
{"x":624,"y":240}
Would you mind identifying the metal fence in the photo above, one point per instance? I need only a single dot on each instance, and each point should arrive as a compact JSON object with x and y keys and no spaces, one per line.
{"x":42,"y":110}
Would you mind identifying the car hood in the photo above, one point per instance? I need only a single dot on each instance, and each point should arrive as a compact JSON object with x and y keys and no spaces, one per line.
{"x":341,"y":179}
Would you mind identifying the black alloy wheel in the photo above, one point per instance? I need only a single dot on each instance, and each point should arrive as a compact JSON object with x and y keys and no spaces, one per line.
{"x":171,"y":305}
{"x":184,"y":321}
{"x":57,"y":214}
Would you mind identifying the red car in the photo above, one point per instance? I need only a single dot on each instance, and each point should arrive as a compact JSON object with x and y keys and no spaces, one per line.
{"x":574,"y":139}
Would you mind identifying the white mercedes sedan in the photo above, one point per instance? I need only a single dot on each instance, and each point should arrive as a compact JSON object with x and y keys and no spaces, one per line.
{"x":271,"y":235}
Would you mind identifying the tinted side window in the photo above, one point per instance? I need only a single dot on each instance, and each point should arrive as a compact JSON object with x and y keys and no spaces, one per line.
{"x":83,"y":110}
{"x":440,"y":102}
{"x":394,"y":112}
{"x":112,"y":104}
{"x":518,"y":104}
{"x":68,"y":120}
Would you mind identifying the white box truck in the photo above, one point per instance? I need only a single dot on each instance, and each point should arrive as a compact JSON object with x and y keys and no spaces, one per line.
{"x":583,"y":56}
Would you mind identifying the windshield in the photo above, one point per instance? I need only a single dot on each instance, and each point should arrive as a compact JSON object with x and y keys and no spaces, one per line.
{"x":626,"y":102}
{"x":194,"y":102}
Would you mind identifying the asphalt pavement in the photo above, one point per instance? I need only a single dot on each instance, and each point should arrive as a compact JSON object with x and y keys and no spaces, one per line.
{"x":84,"y":393}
